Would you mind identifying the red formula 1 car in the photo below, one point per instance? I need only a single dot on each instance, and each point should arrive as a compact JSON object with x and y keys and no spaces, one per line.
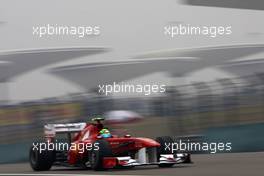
{"x":86,"y":147}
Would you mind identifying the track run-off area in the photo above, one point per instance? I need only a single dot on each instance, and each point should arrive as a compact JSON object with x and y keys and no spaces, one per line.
{"x":242,"y":164}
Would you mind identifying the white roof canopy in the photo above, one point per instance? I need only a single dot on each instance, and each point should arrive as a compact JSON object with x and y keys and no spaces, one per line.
{"x":90,"y":76}
{"x":175,"y":62}
{"x":22,"y":61}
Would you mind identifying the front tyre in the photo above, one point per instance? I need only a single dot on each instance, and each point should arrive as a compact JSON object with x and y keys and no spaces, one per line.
{"x":188,"y":159}
{"x":41,"y":161}
{"x":164,"y":141}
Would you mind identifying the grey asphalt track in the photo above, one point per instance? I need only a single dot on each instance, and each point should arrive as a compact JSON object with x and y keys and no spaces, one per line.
{"x":242,"y":164}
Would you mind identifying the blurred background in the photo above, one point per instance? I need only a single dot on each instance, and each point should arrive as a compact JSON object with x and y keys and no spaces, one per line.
{"x":224,"y":110}
{"x":214,"y":87}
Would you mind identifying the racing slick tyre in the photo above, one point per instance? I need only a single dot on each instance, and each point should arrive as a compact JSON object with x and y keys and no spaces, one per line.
{"x":164,"y":141}
{"x":188,"y":159}
{"x":41,"y":161}
{"x":96,"y":156}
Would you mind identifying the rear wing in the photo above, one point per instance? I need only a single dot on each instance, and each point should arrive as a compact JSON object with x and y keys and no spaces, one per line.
{"x":50,"y":130}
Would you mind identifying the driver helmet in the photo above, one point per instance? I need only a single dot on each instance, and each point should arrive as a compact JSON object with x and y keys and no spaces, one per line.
{"x":105,"y":133}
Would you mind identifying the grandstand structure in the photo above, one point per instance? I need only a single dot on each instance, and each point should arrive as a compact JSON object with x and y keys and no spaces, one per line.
{"x":14,"y":63}
{"x":175,"y":62}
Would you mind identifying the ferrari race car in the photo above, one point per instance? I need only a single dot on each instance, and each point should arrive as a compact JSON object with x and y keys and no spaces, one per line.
{"x":86,"y":147}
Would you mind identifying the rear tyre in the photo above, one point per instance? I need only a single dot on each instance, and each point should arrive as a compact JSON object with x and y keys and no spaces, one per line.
{"x":97,"y":155}
{"x":41,"y":161}
{"x":164,"y":141}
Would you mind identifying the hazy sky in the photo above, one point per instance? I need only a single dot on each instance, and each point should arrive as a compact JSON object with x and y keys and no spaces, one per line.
{"x":128,"y":27}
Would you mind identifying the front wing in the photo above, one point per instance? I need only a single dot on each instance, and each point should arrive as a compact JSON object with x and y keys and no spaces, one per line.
{"x":112,"y":162}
